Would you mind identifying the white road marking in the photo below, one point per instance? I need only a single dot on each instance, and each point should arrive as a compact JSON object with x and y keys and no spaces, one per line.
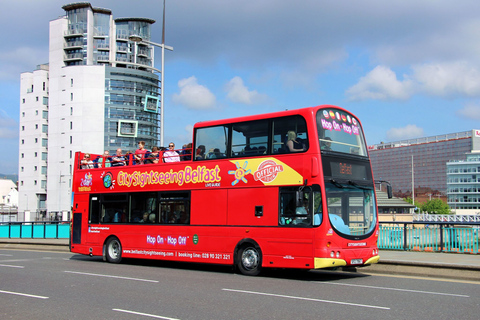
{"x":24,"y":294}
{"x":144,"y":314}
{"x":397,"y":289}
{"x":10,"y":266}
{"x":308,"y":299}
{"x":110,"y":276}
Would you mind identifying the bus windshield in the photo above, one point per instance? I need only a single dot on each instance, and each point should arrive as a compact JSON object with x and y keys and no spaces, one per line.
{"x":351,"y":208}
{"x":339,"y":131}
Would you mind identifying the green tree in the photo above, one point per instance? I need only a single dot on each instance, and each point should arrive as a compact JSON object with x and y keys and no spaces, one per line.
{"x":435,"y":206}
{"x":417,"y":204}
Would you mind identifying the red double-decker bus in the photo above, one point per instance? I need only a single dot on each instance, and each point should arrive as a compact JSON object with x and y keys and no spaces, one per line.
{"x":291,"y":189}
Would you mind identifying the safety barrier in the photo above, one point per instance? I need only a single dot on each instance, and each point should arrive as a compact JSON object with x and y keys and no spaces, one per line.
{"x":438,"y":237}
{"x":35,"y":230}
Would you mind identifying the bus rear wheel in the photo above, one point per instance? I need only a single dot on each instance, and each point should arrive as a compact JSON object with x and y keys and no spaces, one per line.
{"x":249,"y":260}
{"x":114,"y":250}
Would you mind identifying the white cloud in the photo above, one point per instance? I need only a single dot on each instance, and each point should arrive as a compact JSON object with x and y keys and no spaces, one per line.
{"x":408,"y":132}
{"x":380,"y":84}
{"x":445,"y":79}
{"x":239,"y":93}
{"x":193,"y":95}
{"x":470,"y":111}
{"x":434,"y":79}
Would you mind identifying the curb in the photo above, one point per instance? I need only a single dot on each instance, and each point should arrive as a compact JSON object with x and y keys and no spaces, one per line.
{"x":425,"y":269}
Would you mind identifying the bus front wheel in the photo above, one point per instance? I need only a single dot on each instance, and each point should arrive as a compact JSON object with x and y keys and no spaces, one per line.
{"x":249,"y":260}
{"x":114,"y":250}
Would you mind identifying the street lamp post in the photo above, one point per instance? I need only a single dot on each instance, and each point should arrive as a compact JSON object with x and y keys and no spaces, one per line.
{"x":139,"y":39}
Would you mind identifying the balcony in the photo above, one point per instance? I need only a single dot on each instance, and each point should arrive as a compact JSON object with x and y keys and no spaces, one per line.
{"x":73,"y":45}
{"x":73,"y":56}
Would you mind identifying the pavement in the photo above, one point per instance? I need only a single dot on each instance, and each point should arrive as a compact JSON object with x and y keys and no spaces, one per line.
{"x":456,"y":266}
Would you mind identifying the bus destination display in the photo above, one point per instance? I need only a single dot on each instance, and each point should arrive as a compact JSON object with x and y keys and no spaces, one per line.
{"x":348,"y":171}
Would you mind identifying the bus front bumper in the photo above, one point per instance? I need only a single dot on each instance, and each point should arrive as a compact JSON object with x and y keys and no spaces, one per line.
{"x":321,"y":263}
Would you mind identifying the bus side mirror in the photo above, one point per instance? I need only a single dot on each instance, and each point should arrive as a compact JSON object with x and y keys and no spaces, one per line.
{"x":389,"y":191}
{"x":299,"y":198}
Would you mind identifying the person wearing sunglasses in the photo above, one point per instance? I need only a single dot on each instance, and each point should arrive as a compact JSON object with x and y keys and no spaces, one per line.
{"x":171,"y":155}
{"x":87,"y":163}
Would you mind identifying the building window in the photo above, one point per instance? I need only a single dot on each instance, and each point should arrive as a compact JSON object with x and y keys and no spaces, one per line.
{"x":71,"y":96}
{"x":36,"y":112}
{"x":71,"y":82}
{"x":23,"y":114}
{"x":44,"y":128}
{"x":71,"y":139}
{"x":44,"y":156}
{"x":45,"y":114}
{"x":44,"y":142}
{"x":71,"y":125}
{"x":71,"y":111}
{"x":44,"y":170}
{"x":36,"y":126}
{"x":21,"y":169}
{"x":44,"y":86}
{"x":23,"y":100}
{"x":36,"y":98}
{"x":43,"y":184}
{"x":36,"y":154}
{"x":45,"y":101}
{"x":23,"y":128}
{"x":21,"y":183}
{"x":36,"y":140}
{"x":23,"y":141}
{"x":35,"y":168}
{"x":35,"y":182}
{"x":23,"y":155}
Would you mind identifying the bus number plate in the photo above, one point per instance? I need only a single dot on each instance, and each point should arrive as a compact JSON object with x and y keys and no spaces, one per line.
{"x":356,"y":261}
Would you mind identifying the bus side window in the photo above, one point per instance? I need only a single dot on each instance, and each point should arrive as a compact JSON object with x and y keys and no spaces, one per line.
{"x":94,"y":210}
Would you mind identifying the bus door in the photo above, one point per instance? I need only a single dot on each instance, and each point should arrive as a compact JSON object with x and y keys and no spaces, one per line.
{"x":92,"y":236}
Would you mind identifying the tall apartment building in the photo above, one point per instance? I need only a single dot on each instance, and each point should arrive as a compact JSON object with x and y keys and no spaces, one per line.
{"x":393,"y":161}
{"x":98,"y":92}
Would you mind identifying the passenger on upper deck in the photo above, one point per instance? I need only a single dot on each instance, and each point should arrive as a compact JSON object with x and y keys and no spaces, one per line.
{"x":187,"y":152}
{"x":153,"y":157}
{"x":87,"y":163}
{"x":106,"y":156}
{"x":326,"y":144}
{"x":292,"y":144}
{"x":118,"y":159}
{"x":200,"y":153}
{"x":140,"y":152}
{"x":171,"y":155}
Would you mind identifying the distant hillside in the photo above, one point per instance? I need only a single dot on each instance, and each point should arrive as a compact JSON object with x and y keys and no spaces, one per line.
{"x":13,"y":177}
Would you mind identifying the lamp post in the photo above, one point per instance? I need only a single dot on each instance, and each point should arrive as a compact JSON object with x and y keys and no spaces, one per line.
{"x":139,"y":39}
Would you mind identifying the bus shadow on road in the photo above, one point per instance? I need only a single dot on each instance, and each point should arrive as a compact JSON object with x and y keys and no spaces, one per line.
{"x":290,"y":274}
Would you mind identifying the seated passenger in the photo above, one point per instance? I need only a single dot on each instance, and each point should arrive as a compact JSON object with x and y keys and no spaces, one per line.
{"x":106,"y":157}
{"x":86,"y":162}
{"x":200,"y":153}
{"x":145,"y":218}
{"x":292,"y":144}
{"x":118,"y":159}
{"x":326,"y":144}
{"x":153,"y":157}
{"x":140,"y":153}
{"x":171,"y":155}
{"x":186,"y":152}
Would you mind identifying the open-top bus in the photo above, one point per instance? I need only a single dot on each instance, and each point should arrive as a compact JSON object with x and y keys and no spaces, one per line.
{"x":291,"y":189}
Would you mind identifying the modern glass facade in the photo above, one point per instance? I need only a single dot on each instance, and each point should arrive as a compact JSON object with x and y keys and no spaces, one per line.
{"x":128,"y":118}
{"x":463,"y":183}
{"x":393,"y":162}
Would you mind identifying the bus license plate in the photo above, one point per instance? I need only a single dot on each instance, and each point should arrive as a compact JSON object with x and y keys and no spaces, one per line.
{"x":356,"y":261}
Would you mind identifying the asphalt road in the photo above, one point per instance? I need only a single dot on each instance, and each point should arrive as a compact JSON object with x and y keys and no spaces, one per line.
{"x":61,"y":285}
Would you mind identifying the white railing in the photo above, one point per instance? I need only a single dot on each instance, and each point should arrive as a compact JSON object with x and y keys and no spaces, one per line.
{"x":425,"y":217}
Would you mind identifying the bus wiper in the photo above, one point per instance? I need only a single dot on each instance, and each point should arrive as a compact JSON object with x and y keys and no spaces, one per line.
{"x":337,"y":184}
{"x":356,"y":185}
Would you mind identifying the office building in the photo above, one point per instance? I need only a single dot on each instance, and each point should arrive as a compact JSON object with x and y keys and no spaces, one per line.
{"x":393,"y":162}
{"x":463,"y":184}
{"x":99,"y":91}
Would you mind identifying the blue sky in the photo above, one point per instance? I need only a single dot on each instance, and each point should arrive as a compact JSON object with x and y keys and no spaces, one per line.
{"x":407,"y":69}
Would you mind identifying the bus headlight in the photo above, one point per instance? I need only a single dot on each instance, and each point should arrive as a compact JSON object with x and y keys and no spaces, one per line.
{"x":332,"y":254}
{"x":338,"y":254}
